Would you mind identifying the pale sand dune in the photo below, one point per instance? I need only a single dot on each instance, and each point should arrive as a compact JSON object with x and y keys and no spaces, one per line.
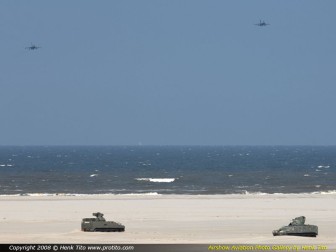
{"x":220,"y":219}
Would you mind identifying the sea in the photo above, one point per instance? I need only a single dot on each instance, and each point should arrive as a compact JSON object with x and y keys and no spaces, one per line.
{"x":156,"y":170}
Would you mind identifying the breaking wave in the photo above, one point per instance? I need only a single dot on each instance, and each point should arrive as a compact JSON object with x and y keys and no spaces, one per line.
{"x":157,"y":180}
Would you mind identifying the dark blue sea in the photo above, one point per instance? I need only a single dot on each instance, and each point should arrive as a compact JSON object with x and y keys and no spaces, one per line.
{"x":75,"y":170}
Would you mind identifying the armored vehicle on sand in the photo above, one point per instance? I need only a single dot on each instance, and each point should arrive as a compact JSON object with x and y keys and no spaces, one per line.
{"x":298,"y":228}
{"x":99,"y":224}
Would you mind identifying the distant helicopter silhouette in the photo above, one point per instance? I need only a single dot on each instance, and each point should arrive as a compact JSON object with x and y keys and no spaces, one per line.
{"x":32,"y":47}
{"x":262,"y":23}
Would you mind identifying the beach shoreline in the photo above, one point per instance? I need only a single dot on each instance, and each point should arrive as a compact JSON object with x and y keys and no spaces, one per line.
{"x":167,"y":219}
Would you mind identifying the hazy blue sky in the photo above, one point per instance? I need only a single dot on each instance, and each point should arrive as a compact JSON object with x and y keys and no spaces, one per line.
{"x":168,"y":72}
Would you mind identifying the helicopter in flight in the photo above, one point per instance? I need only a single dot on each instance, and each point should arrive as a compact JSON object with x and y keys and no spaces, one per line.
{"x":32,"y":47}
{"x":262,"y":23}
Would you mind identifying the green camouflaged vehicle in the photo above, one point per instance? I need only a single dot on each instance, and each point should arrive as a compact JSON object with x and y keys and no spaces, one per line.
{"x":298,"y":228}
{"x":99,"y":224}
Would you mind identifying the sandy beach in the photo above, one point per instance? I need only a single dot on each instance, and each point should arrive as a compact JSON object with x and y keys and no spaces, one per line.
{"x":179,"y":219}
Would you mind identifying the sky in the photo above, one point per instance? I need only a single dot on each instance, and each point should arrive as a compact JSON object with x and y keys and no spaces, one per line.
{"x":168,"y":72}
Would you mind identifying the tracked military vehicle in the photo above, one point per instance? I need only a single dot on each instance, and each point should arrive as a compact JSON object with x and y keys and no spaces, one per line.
{"x":99,"y":224}
{"x":298,"y":228}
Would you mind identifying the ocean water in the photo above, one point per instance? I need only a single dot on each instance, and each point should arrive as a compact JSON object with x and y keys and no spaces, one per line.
{"x":75,"y":170}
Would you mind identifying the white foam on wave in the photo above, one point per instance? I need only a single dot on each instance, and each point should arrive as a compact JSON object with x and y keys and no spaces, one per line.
{"x":4,"y":165}
{"x":254,"y":193}
{"x":323,"y":166}
{"x":45,"y":194}
{"x":77,"y":194}
{"x":157,"y":180}
{"x":330,"y":192}
{"x":93,"y":175}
